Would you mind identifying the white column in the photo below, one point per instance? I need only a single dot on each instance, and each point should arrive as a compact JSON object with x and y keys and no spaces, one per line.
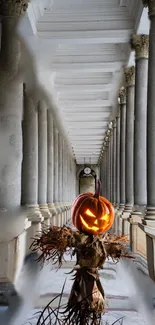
{"x":129,"y":161}
{"x":42,"y":161}
{"x":11,"y":110}
{"x":114,"y":163}
{"x":50,"y":165}
{"x":60,"y":166}
{"x":150,"y":214}
{"x":64,"y":181}
{"x":30,"y":166}
{"x":122,"y":98}
{"x":11,"y":102}
{"x":122,"y":101}
{"x":129,"y":149}
{"x":56,"y":173}
{"x":118,"y":158}
{"x":140,"y":43}
{"x":56,"y":181}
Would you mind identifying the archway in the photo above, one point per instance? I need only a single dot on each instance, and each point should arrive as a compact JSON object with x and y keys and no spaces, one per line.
{"x":87,"y":182}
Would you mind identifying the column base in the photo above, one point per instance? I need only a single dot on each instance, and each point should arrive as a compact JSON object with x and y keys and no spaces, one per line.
{"x":59,"y":213}
{"x":53,"y":212}
{"x":52,"y":209}
{"x":149,"y":219}
{"x":68,"y":208}
{"x":45,"y":212}
{"x":57,"y":207}
{"x":119,"y":218}
{"x":115,"y":224}
{"x":63,"y":214}
{"x":121,"y":207}
{"x":125,"y":220}
{"x":34,"y":215}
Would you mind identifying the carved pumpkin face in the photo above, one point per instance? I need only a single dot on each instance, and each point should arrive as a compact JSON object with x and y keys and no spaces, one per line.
{"x":92,"y":214}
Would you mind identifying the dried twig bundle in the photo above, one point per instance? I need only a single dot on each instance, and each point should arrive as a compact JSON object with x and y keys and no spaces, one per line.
{"x":52,"y":243}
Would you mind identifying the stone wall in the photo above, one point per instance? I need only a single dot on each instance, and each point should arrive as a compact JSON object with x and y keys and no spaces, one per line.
{"x":86,"y":184}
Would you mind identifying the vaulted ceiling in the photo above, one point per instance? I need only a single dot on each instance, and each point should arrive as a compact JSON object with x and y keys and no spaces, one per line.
{"x":84,"y":46}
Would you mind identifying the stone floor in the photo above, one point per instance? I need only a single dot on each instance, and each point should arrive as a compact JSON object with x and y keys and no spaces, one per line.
{"x":118,"y":303}
{"x":118,"y":300}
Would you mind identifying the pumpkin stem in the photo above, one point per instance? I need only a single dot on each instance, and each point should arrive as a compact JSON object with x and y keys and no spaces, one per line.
{"x":98,"y":189}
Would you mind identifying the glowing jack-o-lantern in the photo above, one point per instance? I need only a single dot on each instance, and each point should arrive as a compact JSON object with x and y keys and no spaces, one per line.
{"x":92,"y":213}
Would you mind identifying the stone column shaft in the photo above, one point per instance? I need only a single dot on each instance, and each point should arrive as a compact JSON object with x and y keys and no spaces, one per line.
{"x":140,"y":179}
{"x":118,"y":159}
{"x":30,"y":153}
{"x":150,"y":215}
{"x":129,"y":170}
{"x":151,"y":119}
{"x":108,"y":171}
{"x":42,"y":153}
{"x":114,"y":162}
{"x":42,"y":161}
{"x":111,"y":166}
{"x":11,"y":98}
{"x":68,"y":176}
{"x":122,"y":96}
{"x":50,"y":158}
{"x":63,"y":171}
{"x":30,"y":167}
{"x":102,"y":174}
{"x":105,"y":172}
{"x":11,"y":106}
{"x":139,"y":43}
{"x":56,"y":180}
{"x":60,"y":169}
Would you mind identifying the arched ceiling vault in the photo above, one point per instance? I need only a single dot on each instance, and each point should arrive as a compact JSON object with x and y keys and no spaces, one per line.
{"x":82,"y":46}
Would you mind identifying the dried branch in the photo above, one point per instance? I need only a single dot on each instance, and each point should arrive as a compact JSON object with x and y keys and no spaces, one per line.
{"x":53,"y":243}
{"x":115,"y":247}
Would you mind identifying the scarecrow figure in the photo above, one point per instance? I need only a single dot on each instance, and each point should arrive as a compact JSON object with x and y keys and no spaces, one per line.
{"x":92,"y":215}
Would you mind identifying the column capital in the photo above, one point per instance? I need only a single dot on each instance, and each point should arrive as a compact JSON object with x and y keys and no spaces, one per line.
{"x":106,"y":139}
{"x":108,"y":132}
{"x":110,"y":126}
{"x":114,"y":123}
{"x":140,"y":43}
{"x":105,"y":144}
{"x":122,"y":95}
{"x":13,"y":8}
{"x":129,"y":73}
{"x":151,"y":6}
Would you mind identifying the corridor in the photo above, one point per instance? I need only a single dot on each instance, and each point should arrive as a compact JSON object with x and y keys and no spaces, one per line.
{"x":77,"y":98}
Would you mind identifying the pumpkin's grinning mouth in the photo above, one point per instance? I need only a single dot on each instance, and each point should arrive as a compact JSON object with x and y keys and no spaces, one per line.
{"x":94,"y":228}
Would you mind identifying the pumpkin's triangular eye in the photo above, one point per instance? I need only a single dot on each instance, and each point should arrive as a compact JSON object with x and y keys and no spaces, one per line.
{"x":89,"y":213}
{"x":105,"y":217}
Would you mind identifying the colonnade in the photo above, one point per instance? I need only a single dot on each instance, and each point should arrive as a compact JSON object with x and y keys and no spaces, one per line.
{"x":132,"y":136}
{"x":37,"y":168}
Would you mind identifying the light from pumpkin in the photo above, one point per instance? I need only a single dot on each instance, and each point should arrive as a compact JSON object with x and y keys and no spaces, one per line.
{"x":92,"y":214}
